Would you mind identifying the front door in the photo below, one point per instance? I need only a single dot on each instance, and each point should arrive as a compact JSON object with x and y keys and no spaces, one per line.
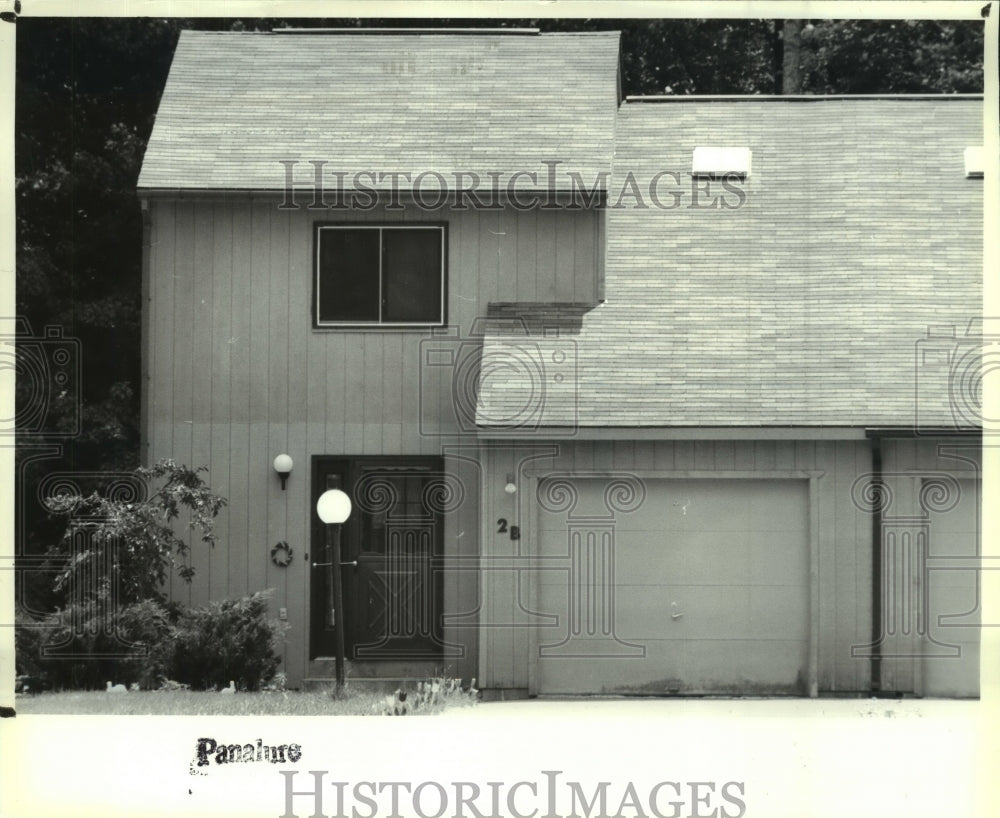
{"x":391,"y":559}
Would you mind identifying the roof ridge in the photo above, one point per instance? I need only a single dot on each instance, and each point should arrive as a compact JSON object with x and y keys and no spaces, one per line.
{"x":413,"y":31}
{"x":406,"y":30}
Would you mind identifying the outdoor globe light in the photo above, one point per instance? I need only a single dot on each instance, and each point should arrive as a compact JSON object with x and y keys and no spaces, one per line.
{"x":511,"y":486}
{"x":333,"y":506}
{"x":283,"y":466}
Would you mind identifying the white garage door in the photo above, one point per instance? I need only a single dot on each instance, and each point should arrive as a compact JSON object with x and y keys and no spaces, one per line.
{"x":700,"y":586}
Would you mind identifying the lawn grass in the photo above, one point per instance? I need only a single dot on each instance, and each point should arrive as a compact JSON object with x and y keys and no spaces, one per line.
{"x":192,"y":703}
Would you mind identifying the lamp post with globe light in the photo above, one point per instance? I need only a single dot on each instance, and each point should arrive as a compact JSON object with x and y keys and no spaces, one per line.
{"x":333,"y":508}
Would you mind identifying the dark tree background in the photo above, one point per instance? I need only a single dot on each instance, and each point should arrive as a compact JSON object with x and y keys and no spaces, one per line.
{"x":86,"y":95}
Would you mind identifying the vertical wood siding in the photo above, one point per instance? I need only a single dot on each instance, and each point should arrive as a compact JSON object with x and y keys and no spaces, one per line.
{"x":236,"y":373}
{"x":907,"y":463}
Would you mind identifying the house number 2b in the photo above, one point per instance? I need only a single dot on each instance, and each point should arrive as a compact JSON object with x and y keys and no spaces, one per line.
{"x":514,"y":531}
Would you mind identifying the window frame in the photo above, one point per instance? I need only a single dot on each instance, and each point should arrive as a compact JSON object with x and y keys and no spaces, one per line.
{"x":441,"y":227}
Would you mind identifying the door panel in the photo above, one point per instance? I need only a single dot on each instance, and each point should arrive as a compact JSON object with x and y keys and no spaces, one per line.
{"x":392,"y":552}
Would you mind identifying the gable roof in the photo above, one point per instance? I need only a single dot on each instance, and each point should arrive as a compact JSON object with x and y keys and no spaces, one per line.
{"x":802,"y":306}
{"x":237,"y":105}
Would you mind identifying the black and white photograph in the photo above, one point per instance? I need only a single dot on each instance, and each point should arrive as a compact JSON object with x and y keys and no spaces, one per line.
{"x":610,"y":389}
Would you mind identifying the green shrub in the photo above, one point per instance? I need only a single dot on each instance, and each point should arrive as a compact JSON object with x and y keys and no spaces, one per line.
{"x":148,"y":626}
{"x":84,"y":646}
{"x":228,"y":640}
{"x":29,"y":636}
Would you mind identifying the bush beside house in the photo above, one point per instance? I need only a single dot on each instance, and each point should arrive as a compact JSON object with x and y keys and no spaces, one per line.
{"x":121,"y":627}
{"x":146,"y":642}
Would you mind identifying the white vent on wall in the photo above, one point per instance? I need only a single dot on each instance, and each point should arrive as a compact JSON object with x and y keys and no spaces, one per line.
{"x":975,"y":161}
{"x":716,"y":162}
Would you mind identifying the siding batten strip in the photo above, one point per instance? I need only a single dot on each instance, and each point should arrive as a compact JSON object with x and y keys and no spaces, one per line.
{"x":876,"y":660}
{"x":146,"y":323}
{"x":532,"y":526}
{"x":813,"y":668}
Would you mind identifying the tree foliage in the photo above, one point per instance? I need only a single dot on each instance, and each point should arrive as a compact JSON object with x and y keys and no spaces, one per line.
{"x":132,"y":545}
{"x":86,"y":95}
{"x":893,"y":56}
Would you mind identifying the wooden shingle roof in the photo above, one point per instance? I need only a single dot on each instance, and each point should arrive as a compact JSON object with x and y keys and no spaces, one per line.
{"x":805,"y":305}
{"x":237,"y":105}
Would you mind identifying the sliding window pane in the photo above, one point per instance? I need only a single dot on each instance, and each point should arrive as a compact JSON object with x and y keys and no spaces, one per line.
{"x":412,"y":275}
{"x":348,"y":275}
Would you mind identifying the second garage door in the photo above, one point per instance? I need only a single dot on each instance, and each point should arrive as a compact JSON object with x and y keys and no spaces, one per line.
{"x":698,"y":586}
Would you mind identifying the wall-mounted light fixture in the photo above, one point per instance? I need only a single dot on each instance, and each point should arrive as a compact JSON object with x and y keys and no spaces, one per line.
{"x":283,"y":466}
{"x":511,"y":486}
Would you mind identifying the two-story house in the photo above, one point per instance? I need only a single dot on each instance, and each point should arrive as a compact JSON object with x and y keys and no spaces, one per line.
{"x":630,"y":395}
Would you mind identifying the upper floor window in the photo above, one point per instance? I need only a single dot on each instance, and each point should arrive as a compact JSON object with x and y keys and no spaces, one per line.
{"x":381,"y":275}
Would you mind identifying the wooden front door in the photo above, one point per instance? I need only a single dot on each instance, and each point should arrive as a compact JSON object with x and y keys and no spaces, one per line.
{"x":391,"y":555}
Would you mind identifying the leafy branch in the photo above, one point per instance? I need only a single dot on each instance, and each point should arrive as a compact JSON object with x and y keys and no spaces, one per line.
{"x":131,"y":545}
